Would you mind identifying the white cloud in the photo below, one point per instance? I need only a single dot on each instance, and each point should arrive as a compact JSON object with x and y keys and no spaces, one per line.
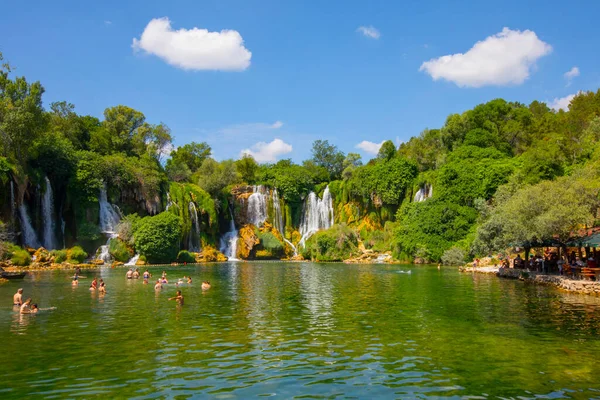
{"x":562,"y":103}
{"x":502,"y":59}
{"x":369,"y":31}
{"x":194,"y":49}
{"x":571,"y":74}
{"x":107,"y":22}
{"x":268,"y":152}
{"x":369,"y":147}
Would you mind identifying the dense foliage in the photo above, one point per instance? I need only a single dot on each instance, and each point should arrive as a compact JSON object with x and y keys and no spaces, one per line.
{"x":157,"y":238}
{"x":498,"y":175}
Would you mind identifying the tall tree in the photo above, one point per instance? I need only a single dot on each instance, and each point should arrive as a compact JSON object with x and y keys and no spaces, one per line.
{"x":328,"y":156}
{"x":387,"y":150}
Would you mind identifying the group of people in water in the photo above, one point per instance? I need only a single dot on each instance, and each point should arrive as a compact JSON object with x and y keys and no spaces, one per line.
{"x":25,"y":307}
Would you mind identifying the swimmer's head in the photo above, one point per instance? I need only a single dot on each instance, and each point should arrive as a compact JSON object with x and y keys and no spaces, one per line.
{"x":20,"y":290}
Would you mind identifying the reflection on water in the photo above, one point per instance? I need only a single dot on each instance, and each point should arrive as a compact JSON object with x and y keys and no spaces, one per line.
{"x":301,"y":329}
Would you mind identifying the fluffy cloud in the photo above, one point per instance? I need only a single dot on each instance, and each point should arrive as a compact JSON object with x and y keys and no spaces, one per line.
{"x":502,"y":59}
{"x":194,"y":49}
{"x":268,"y":152}
{"x":369,"y":31}
{"x":369,"y":147}
{"x":562,"y":103}
{"x":570,"y":74}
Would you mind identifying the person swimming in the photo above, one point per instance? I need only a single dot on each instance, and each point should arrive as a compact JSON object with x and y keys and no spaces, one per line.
{"x":102,"y":288}
{"x":178,"y":298}
{"x":18,"y":298}
{"x":147,"y":275}
{"x":189,"y":280}
{"x":75,"y":281}
{"x":158,"y":285}
{"x":136,"y":274}
{"x":129,"y":273}
{"x":25,"y":307}
{"x":94,"y":284}
{"x":205,"y":285}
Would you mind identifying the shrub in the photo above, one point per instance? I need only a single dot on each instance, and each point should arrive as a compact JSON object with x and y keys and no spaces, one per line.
{"x":59,"y":255}
{"x":157,"y":237}
{"x":335,"y":244}
{"x":20,"y":257}
{"x":119,"y":250}
{"x":269,"y":246}
{"x":185,"y":256}
{"x":76,"y":255}
{"x":453,"y":256}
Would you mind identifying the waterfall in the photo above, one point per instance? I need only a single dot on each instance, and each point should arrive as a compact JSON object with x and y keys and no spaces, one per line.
{"x":196,"y":225}
{"x":109,"y":214}
{"x":424,"y":193}
{"x":317,"y":214}
{"x":257,"y":206}
{"x":169,"y":202}
{"x":133,"y":260}
{"x":47,"y":212}
{"x":103,"y":250}
{"x":62,"y":230}
{"x":229,"y":240}
{"x":292,"y":246}
{"x":28,"y":233}
{"x":278,"y":222}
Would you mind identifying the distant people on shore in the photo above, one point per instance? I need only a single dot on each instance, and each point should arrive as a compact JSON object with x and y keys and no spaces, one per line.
{"x":18,"y":298}
{"x":205,"y":285}
{"x":178,"y":298}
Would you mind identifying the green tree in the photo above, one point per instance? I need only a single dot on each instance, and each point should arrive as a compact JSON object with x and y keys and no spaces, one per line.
{"x":387,"y":150}
{"x":328,"y":156}
{"x":22,"y":117}
{"x":121,"y":124}
{"x":193,"y":154}
{"x":177,"y":170}
{"x":247,"y":167}
{"x":157,"y":237}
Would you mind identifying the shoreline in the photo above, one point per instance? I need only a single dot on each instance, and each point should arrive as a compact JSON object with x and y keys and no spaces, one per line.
{"x":558,"y":281}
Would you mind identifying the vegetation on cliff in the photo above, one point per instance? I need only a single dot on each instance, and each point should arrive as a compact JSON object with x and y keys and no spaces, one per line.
{"x":500,"y":174}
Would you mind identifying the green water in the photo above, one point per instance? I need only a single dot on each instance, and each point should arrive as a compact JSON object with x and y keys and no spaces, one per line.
{"x":300,"y":330}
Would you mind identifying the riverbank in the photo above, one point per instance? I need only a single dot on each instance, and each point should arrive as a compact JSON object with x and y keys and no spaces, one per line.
{"x":558,"y":281}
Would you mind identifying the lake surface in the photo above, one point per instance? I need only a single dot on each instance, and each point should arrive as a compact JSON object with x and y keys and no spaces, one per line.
{"x":300,"y":330}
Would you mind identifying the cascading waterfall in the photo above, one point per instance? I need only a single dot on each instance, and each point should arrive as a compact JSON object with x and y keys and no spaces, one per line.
{"x":194,"y":245}
{"x":424,"y":193}
{"x":29,"y":237}
{"x":292,"y":246}
{"x":229,"y":240}
{"x":104,"y":252}
{"x":317,"y":214}
{"x":278,"y":222}
{"x":47,"y":212}
{"x":109,"y":214}
{"x":257,"y":206}
{"x":133,"y":260}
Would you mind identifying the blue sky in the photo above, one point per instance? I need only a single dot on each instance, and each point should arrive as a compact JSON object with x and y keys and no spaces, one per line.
{"x":297,"y":71}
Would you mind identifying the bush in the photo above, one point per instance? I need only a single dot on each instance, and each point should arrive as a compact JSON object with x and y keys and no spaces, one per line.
{"x":269,"y":247}
{"x":20,"y":257}
{"x":157,"y":237}
{"x":185,"y":256}
{"x":453,"y":256}
{"x":76,"y":255}
{"x":119,"y":250}
{"x":335,"y":244}
{"x":59,"y":255}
